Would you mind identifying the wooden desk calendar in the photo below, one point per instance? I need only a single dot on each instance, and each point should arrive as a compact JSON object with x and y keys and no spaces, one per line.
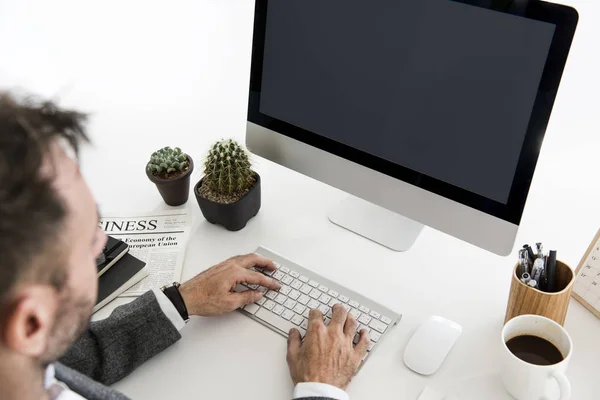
{"x":587,"y":280}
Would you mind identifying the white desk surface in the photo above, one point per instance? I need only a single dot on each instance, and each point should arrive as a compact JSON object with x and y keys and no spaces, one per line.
{"x":176,"y":73}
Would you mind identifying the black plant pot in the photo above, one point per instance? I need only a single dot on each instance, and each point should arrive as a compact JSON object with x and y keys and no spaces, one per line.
{"x":175,"y":191}
{"x":232,"y":216}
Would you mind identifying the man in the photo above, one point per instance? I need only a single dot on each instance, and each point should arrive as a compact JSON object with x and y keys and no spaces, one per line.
{"x":49,"y":240}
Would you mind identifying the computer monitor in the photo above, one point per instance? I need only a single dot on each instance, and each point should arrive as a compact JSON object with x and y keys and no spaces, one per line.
{"x":428,"y":112}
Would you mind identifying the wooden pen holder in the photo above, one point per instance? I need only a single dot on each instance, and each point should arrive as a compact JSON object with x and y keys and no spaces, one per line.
{"x":524,"y":299}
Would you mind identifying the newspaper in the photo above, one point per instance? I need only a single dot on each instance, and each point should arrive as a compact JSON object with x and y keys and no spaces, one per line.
{"x":157,"y":239}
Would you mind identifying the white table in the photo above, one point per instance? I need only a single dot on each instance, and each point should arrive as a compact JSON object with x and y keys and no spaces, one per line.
{"x":176,"y":73}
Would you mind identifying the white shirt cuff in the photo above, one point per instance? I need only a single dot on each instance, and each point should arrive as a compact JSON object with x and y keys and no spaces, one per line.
{"x":316,"y":389}
{"x":169,"y":309}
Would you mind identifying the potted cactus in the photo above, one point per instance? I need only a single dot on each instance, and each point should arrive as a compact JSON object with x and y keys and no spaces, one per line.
{"x":170,"y":169}
{"x":229,"y":192}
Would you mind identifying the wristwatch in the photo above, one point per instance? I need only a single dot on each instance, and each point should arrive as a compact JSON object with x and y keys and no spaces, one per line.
{"x":172,"y":293}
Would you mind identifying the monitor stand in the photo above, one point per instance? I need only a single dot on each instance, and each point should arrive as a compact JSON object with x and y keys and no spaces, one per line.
{"x":376,"y":223}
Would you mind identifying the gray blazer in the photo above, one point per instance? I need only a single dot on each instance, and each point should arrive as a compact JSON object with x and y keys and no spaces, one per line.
{"x":112,"y":348}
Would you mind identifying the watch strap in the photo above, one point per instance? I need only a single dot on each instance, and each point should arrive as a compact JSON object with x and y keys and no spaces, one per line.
{"x":173,"y":294}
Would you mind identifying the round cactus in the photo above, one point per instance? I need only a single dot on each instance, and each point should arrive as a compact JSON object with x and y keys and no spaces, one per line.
{"x":167,"y":160}
{"x":227,"y":168}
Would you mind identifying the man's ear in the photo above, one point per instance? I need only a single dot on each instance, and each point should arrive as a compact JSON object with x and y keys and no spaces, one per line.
{"x":28,"y":322}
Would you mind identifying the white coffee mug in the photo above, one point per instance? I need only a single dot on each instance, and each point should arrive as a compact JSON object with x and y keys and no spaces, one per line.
{"x":525,"y":381}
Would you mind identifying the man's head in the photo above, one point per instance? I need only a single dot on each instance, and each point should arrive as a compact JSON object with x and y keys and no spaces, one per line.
{"x":49,"y":234}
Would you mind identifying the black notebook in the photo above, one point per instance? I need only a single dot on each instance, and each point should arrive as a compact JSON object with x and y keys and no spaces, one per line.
{"x":121,"y":276}
{"x":113,"y":251}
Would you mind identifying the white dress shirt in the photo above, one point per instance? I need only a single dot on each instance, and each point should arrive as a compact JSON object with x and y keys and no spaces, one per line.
{"x":59,"y":391}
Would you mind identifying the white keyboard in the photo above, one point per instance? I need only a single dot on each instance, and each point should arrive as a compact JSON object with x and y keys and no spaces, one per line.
{"x":301,"y":290}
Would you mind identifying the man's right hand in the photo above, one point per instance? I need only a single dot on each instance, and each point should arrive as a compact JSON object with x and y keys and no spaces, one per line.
{"x":327,"y":354}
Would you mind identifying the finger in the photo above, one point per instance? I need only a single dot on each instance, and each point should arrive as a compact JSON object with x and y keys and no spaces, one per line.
{"x":243,"y":298}
{"x":254,"y":260}
{"x":350,"y":327}
{"x":315,"y":317}
{"x":256,"y":278}
{"x":363,"y":344}
{"x":294,"y":342}
{"x":338,"y":319}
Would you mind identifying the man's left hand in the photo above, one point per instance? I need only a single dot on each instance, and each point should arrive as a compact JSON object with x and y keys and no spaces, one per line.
{"x":211,"y":292}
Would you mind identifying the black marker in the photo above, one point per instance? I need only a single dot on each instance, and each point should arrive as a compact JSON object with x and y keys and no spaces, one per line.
{"x":551,"y":271}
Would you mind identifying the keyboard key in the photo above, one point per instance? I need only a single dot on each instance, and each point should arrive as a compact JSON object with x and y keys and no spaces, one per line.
{"x":353,"y":304}
{"x":296,"y":284}
{"x":313,"y":283}
{"x":329,"y":313}
{"x":374,"y":314}
{"x":239,"y":288}
{"x":285,"y":289}
{"x":313,"y":303}
{"x":306,"y":289}
{"x":386,"y":320}
{"x":269,"y":305}
{"x":278,"y":309}
{"x":333,"y":293}
{"x":315,"y":293}
{"x":267,"y":272}
{"x":361,"y":327}
{"x":285,"y":270}
{"x":299,"y":309}
{"x":325,"y":299}
{"x":271,"y":294}
{"x":323,"y":288}
{"x":261,"y":301}
{"x":364,"y":309}
{"x":253,"y":287}
{"x":364,"y":319}
{"x":296,"y":319}
{"x":303,"y":299}
{"x":327,"y":321}
{"x":289,"y":303}
{"x":287,"y":279}
{"x":378,"y":326}
{"x":356,"y":338}
{"x":274,"y":320}
{"x":324,"y":309}
{"x":353,"y":311}
{"x":263,"y":289}
{"x":306,"y":313}
{"x":251,"y":308}
{"x":294,"y":274}
{"x":303,"y":278}
{"x":375,"y":336}
{"x":333,"y":302}
{"x":280,"y":298}
{"x":294,"y":294}
{"x":347,"y":307}
{"x":304,"y":324}
{"x":343,"y":298}
{"x":278,"y":275}
{"x":287,"y":314}
{"x":371,"y":345}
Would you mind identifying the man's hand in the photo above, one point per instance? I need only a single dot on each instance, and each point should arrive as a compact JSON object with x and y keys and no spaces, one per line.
{"x":327,"y":354}
{"x":211,"y":292}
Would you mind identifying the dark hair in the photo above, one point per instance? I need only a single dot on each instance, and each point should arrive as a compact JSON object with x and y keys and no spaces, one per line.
{"x":31,"y":211}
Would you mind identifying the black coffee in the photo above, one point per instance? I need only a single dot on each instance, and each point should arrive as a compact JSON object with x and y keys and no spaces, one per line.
{"x":534,"y":350}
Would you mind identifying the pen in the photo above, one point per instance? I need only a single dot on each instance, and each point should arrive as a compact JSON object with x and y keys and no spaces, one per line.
{"x":551,"y":271}
{"x":530,"y":254}
{"x":532,"y":283}
{"x":523,"y":262}
{"x":525,"y":278}
{"x":538,"y":264}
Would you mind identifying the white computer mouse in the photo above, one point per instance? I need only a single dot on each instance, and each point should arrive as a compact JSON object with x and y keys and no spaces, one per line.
{"x":430,"y":344}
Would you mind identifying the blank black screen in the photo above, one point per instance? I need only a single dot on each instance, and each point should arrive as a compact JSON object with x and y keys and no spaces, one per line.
{"x":440,"y":87}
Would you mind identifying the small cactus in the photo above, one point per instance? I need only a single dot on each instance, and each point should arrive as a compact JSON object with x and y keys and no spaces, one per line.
{"x":167,"y":161}
{"x":227,"y":168}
